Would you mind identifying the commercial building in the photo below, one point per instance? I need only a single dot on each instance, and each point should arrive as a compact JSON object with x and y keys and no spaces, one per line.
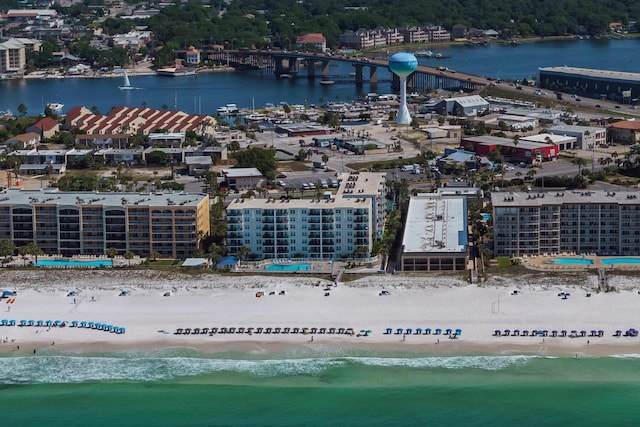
{"x":625,"y":131}
{"x":520,"y":151}
{"x":90,"y":223}
{"x":587,"y":137}
{"x":435,"y":234}
{"x":601,"y":222}
{"x":462,"y":106}
{"x":563,"y":142}
{"x":341,"y":225}
{"x":616,"y":85}
{"x":243,"y":178}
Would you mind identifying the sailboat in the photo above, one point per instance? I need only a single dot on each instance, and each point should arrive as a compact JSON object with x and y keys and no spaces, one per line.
{"x":127,"y":83}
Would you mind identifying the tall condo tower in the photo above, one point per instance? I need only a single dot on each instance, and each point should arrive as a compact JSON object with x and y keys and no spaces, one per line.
{"x":402,"y":64}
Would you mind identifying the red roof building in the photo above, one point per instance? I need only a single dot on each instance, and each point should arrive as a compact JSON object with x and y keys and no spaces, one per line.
{"x":625,"y":131}
{"x":313,"y":40}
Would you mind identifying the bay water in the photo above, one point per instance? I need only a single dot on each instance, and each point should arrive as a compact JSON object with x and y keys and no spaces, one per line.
{"x":204,"y":93}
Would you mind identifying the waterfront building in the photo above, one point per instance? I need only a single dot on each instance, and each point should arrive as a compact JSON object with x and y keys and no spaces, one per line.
{"x":13,"y":57}
{"x":192,"y":56}
{"x":626,"y":131}
{"x":334,"y":226}
{"x":507,"y":121}
{"x":23,"y":141}
{"x":315,"y":41}
{"x":137,"y":120}
{"x":90,"y":223}
{"x":435,"y":233}
{"x":601,"y":222}
{"x":587,"y":137}
{"x":616,"y":85}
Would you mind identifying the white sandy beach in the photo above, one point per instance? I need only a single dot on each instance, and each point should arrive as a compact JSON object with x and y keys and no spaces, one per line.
{"x":208,"y":300}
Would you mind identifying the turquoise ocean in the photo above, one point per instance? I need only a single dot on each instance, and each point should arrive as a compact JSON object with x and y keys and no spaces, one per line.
{"x":311,"y":388}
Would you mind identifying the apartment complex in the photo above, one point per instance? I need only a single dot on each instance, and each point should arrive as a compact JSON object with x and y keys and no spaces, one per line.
{"x":89,"y":223}
{"x":602,"y":222}
{"x":334,"y":226}
{"x":435,"y":233}
{"x":13,"y":56}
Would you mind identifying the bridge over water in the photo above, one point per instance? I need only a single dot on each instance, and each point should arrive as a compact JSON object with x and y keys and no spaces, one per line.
{"x":291,"y":65}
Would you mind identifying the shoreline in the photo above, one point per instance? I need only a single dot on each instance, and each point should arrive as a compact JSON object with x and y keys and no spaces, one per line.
{"x":158,"y":303}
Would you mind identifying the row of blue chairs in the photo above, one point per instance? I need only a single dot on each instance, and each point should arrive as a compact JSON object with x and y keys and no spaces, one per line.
{"x":426,"y":331}
{"x":63,"y":323}
{"x":546,"y":333}
{"x":98,"y":326}
{"x":241,"y":330}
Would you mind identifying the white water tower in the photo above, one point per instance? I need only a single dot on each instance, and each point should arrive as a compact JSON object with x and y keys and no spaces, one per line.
{"x":403,"y":64}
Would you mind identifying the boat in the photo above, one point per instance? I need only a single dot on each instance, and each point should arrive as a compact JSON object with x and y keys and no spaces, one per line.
{"x":228,"y":110}
{"x":127,"y":84}
{"x":327,"y":82}
{"x":424,"y":53}
{"x":285,"y":76}
{"x":55,"y":107}
{"x":179,"y":71}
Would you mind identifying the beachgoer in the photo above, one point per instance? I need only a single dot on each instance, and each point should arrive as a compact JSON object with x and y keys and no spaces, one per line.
{"x":438,"y":342}
{"x":34,"y":351}
{"x":587,"y":342}
{"x":53,"y":343}
{"x":74,"y":300}
{"x":311,"y":338}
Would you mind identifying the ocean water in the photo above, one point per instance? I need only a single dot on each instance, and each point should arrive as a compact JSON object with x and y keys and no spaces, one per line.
{"x":328,"y":388}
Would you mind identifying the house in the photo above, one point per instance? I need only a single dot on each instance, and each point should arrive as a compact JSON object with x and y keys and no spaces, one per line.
{"x":23,"y":141}
{"x":243,"y":178}
{"x":192,"y":56}
{"x":459,"y":31}
{"x":167,"y":139}
{"x":315,"y":41}
{"x":45,"y":127}
{"x":102,"y":141}
{"x":625,"y":131}
{"x":198,"y":164}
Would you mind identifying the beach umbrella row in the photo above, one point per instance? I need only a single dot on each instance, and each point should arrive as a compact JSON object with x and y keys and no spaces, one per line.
{"x":545,"y":333}
{"x":425,"y":331}
{"x":268,"y":330}
{"x":62,"y":323}
{"x":98,"y":326}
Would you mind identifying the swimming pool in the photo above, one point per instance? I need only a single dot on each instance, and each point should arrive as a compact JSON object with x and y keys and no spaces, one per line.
{"x":69,"y":263}
{"x":609,"y":261}
{"x":570,"y":261}
{"x":486,"y":216}
{"x":288,"y":267}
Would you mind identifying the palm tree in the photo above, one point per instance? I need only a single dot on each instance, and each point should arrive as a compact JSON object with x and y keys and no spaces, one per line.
{"x":243,"y":252}
{"x":128,"y":256}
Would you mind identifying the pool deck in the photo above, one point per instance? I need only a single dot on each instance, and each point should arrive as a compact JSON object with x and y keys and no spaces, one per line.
{"x":542,"y":262}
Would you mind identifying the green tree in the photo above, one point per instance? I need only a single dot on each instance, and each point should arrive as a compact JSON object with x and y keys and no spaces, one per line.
{"x":112,"y":252}
{"x":128,"y":256}
{"x":7,"y":248}
{"x":22,"y":110}
{"x":262,"y":159}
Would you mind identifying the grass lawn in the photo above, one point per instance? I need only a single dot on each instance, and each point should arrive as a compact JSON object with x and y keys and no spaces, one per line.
{"x":503,"y":261}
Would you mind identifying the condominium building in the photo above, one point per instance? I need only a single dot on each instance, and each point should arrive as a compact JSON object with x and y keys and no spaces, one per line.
{"x":435,"y":233}
{"x":90,"y":223}
{"x":13,"y":56}
{"x":341,"y":225}
{"x":602,"y":222}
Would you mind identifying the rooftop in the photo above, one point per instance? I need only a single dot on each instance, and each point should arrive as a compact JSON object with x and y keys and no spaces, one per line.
{"x":15,"y":196}
{"x":587,"y":72}
{"x":550,"y":198}
{"x":435,"y":223}
{"x":363,"y":184}
{"x":335,"y":202}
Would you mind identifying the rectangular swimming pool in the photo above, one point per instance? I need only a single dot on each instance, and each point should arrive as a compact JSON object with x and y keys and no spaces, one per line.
{"x":609,"y":261}
{"x":288,"y":267}
{"x":570,"y":261}
{"x":70,"y":263}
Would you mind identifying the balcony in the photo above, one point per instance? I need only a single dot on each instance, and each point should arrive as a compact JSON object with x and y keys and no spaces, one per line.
{"x":327,"y":220}
{"x":282,"y":243}
{"x":328,"y":234}
{"x":268,"y":228}
{"x":282,"y":228}
{"x":268,"y":242}
{"x":282,"y":234}
{"x":268,"y":235}
{"x":361,"y":218}
{"x":314,"y":242}
{"x":327,"y":227}
{"x":314,"y":235}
